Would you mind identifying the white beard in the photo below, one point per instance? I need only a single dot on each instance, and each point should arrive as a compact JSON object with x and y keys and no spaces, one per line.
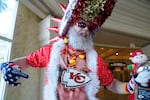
{"x":77,"y":41}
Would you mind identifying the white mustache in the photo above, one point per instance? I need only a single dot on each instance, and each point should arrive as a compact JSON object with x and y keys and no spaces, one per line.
{"x":84,"y":34}
{"x":77,"y":41}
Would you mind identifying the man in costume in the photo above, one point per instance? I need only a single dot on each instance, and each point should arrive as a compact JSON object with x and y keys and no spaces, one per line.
{"x":74,"y":70}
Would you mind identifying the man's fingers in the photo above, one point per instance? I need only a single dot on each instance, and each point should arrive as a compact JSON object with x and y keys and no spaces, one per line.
{"x":13,"y":83}
{"x":19,"y":74}
{"x":11,"y":73}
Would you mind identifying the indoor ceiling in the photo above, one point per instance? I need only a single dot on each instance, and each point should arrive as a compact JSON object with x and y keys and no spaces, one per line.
{"x":126,"y":29}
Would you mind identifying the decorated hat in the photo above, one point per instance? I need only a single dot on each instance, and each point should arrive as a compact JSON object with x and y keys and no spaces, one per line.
{"x":136,"y":52}
{"x":94,"y":11}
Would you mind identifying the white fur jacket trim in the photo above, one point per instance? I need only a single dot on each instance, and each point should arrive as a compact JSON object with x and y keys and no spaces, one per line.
{"x":50,"y":90}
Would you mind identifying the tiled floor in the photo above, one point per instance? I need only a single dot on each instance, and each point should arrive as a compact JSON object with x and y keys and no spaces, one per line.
{"x":105,"y":94}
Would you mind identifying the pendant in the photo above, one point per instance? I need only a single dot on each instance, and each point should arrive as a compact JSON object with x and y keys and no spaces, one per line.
{"x":73,"y":78}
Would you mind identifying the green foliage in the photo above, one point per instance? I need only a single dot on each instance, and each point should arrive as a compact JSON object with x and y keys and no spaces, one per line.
{"x":92,"y":9}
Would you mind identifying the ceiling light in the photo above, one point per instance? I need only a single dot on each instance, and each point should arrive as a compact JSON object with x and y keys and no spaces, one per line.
{"x":117,"y":53}
{"x":130,"y":53}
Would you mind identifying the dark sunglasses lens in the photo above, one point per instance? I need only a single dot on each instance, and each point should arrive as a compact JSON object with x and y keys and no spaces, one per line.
{"x":82,"y":24}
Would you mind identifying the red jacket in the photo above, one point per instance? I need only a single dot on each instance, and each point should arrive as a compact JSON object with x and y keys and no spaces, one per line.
{"x":40,"y":58}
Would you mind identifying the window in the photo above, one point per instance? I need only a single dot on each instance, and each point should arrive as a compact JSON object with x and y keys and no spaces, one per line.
{"x":8,"y":11}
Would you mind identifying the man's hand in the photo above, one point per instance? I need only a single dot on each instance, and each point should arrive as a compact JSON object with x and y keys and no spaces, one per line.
{"x":131,"y":86}
{"x":11,"y":73}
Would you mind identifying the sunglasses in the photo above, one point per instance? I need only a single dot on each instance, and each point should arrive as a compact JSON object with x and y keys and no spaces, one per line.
{"x":84,"y":24}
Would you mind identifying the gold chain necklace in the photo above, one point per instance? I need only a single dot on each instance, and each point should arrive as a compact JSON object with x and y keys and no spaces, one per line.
{"x":73,"y":56}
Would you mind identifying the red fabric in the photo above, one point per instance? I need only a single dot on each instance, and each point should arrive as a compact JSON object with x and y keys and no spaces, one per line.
{"x":71,"y":93}
{"x":131,"y":97}
{"x":136,"y":52}
{"x":104,"y":74}
{"x":136,"y":65}
{"x":39,"y":58}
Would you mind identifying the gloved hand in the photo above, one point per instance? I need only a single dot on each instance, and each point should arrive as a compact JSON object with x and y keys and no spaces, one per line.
{"x":131,"y":85}
{"x":11,"y":73}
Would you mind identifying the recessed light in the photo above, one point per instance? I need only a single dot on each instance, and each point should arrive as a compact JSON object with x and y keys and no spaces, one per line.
{"x":117,"y":53}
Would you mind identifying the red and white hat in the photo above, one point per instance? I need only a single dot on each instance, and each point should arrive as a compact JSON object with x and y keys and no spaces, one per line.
{"x":136,"y":52}
{"x":95,"y":11}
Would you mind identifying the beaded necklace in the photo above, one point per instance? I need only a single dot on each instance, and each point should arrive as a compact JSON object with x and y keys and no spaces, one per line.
{"x":71,"y":61}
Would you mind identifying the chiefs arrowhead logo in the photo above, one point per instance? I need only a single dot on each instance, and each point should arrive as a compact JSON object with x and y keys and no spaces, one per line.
{"x":73,"y":78}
